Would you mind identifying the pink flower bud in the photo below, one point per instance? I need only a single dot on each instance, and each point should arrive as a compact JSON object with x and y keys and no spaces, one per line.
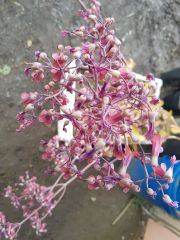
{"x":91,"y":179}
{"x":136,"y":188}
{"x":79,"y":33}
{"x":93,"y":17}
{"x":43,"y":55}
{"x":77,"y":114}
{"x":29,"y":107}
{"x":123,"y":170}
{"x":166,"y":198}
{"x":115,"y":73}
{"x":100,"y":144}
{"x":152,"y":116}
{"x":150,"y":191}
{"x":36,"y":65}
{"x":150,"y":76}
{"x":65,"y":109}
{"x":169,"y":173}
{"x":154,"y":161}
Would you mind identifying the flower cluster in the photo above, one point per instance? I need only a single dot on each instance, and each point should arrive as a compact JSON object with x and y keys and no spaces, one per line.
{"x":110,"y":104}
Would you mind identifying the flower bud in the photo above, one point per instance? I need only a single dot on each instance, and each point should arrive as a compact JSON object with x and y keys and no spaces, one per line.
{"x":117,"y":41}
{"x":150,"y":76}
{"x":124,"y":127}
{"x":82,"y":28}
{"x":169,"y":174}
{"x":153,"y":84}
{"x":29,"y":107}
{"x":166,"y":198}
{"x":115,"y":73}
{"x":91,"y":179}
{"x":76,"y":54}
{"x":37,"y":65}
{"x":123,"y":170}
{"x":92,"y":47}
{"x":150,"y":191}
{"x":161,"y":149}
{"x":86,"y":56}
{"x":46,"y":87}
{"x":134,"y":138}
{"x":79,"y":33}
{"x":88,"y":147}
{"x":51,"y":84}
{"x":110,"y":38}
{"x":152,"y":116}
{"x":65,"y":109}
{"x":109,"y":20}
{"x":43,"y":55}
{"x":113,"y":50}
{"x":100,"y":144}
{"x":97,"y":166}
{"x":154,"y":161}
{"x":106,"y":100}
{"x":82,"y":98}
{"x":60,"y":47}
{"x":92,"y":17}
{"x":33,"y":95}
{"x":136,"y":188}
{"x":77,"y":114}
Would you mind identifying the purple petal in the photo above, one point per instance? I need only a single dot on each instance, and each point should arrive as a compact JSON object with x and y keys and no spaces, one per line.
{"x":87,"y":155}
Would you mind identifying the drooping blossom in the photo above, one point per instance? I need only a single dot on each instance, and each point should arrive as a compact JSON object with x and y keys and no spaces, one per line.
{"x":156,"y":148}
{"x":128,"y":156}
{"x":166,"y":198}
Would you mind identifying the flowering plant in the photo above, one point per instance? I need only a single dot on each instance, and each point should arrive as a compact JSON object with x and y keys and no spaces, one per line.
{"x":110,"y":107}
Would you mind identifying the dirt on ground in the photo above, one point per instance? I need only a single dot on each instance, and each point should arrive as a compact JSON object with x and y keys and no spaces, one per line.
{"x":149,"y":30}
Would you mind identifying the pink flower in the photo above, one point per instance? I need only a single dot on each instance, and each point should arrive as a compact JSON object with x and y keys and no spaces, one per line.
{"x":166,"y":198}
{"x":58,"y":63}
{"x":113,"y":117}
{"x":173,"y":160}
{"x":28,"y":97}
{"x":150,"y":131}
{"x":156,"y":148}
{"x":150,"y":76}
{"x":127,"y":160}
{"x":169,"y":173}
{"x":160,"y":170}
{"x":94,"y":182}
{"x":48,"y":154}
{"x":25,"y":120}
{"x":126,"y":183}
{"x":37,"y":75}
{"x":151,"y":192}
{"x":46,"y":118}
{"x":118,"y":152}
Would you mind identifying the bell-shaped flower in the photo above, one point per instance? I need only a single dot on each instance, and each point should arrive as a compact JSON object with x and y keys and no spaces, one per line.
{"x":127,"y":160}
{"x":156,"y":148}
{"x":166,"y":198}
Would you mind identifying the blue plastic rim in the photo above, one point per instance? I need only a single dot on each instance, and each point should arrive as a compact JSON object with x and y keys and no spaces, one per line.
{"x":136,"y":171}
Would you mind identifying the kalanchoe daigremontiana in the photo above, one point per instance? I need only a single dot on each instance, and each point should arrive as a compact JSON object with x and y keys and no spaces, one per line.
{"x":111,"y":105}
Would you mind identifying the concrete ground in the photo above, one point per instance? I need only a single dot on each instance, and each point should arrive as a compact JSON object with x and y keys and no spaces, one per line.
{"x":149,"y":30}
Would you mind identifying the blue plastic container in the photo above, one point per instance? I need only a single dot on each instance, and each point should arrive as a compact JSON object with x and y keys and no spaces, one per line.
{"x":136,"y":171}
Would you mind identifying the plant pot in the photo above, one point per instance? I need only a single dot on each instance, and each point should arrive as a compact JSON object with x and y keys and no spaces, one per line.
{"x":136,"y":171}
